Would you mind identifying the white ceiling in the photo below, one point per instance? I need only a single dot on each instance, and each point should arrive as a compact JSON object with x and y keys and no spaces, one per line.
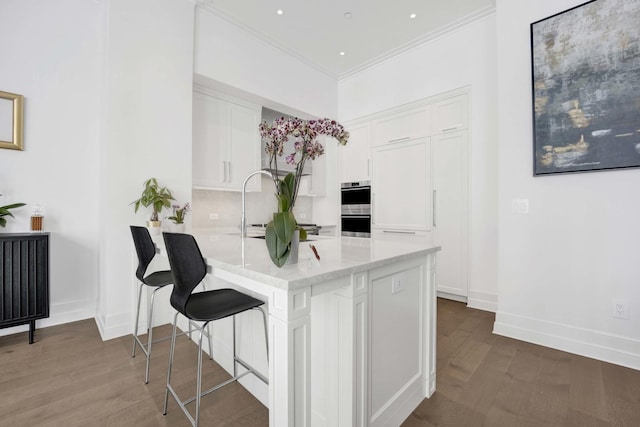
{"x":316,"y":31}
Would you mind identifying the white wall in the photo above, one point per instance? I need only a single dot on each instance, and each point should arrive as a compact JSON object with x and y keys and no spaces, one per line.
{"x":561,"y":265}
{"x":463,"y":57}
{"x":107,"y":88}
{"x":52,"y":54}
{"x":234,"y":57}
{"x":146,"y":133}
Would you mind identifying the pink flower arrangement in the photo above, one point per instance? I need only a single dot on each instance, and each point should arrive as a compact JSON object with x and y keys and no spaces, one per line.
{"x":280,"y":231}
{"x":306,"y":147}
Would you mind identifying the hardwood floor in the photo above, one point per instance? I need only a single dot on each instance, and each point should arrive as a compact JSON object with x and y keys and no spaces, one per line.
{"x":69,"y":377}
{"x":493,"y":381}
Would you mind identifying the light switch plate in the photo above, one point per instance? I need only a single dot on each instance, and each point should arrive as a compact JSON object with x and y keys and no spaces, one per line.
{"x":520,"y":206}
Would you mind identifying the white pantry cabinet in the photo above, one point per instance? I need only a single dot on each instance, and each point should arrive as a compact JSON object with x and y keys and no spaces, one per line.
{"x":450,"y":115}
{"x":450,"y":210}
{"x":400,"y":184}
{"x":402,"y":126}
{"x":226,"y":142}
{"x":402,"y":235}
{"x":419,"y":182}
{"x":355,"y":157}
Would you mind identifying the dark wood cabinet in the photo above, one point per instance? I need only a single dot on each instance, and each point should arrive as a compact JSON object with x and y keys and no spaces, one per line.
{"x":24,"y":279}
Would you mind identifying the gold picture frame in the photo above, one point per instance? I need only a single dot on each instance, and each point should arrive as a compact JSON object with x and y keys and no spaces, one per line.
{"x":11,"y":106}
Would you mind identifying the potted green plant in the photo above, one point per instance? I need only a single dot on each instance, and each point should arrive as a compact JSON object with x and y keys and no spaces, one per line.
{"x":5,"y":211}
{"x":179,"y":214}
{"x":158,"y":198}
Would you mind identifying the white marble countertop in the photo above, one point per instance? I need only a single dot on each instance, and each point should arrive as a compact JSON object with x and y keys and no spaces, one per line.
{"x":339,"y":256}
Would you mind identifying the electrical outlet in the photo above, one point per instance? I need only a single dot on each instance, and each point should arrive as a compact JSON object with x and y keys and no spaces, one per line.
{"x":397,"y":285}
{"x":214,"y":216}
{"x":620,"y":308}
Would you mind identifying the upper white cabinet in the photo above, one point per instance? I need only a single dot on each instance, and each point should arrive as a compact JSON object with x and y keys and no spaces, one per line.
{"x":226,"y":142}
{"x":355,"y":157}
{"x":402,"y":126}
{"x":450,"y":115}
{"x":400,"y":184}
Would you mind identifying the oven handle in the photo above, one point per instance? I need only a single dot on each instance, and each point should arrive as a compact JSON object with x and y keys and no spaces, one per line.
{"x":355,"y":188}
{"x":355,"y":216}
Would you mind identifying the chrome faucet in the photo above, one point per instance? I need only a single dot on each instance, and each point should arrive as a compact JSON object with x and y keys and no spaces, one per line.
{"x":243,"y":221}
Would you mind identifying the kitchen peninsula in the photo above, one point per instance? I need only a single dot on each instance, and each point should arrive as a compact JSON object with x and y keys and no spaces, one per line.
{"x":351,"y":335}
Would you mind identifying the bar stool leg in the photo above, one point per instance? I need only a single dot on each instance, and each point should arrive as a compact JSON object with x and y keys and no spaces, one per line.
{"x":150,"y":334}
{"x":135,"y":330}
{"x":266,"y":334}
{"x":171,"y":350}
{"x":235,"y":364}
{"x":199,"y":379}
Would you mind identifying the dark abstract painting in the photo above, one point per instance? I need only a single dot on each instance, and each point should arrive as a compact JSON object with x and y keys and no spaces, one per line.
{"x":586,"y":88}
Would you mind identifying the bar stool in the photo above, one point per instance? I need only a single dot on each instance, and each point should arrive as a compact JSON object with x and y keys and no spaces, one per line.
{"x":189,"y":269}
{"x":146,"y":251}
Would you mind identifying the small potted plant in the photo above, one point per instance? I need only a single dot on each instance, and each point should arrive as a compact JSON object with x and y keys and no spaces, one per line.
{"x":179,"y":213}
{"x":5,"y":211}
{"x":158,"y":198}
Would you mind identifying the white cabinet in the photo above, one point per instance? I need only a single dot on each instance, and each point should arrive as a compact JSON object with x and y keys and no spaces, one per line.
{"x":449,"y":166}
{"x":420,"y":183}
{"x":355,"y":157}
{"x":402,"y":126}
{"x":450,"y":115}
{"x":401,"y":184}
{"x":314,"y":184}
{"x":226,"y":143}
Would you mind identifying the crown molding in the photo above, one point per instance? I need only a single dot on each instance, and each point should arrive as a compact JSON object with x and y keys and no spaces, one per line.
{"x":453,"y":26}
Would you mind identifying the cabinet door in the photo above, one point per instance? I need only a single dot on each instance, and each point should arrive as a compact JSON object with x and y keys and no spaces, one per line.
{"x":401,"y":185}
{"x":209,"y":141}
{"x":450,"y":210}
{"x":404,"y":126}
{"x":355,"y":157}
{"x":450,"y":115}
{"x":244,"y":146}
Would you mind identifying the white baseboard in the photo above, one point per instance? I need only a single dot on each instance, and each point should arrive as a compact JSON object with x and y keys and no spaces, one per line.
{"x":114,"y":326}
{"x":67,"y":312}
{"x":453,"y":297}
{"x":585,"y":342}
{"x":482,"y":301}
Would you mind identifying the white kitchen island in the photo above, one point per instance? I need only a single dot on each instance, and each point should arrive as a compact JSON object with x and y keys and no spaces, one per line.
{"x":351,"y":337}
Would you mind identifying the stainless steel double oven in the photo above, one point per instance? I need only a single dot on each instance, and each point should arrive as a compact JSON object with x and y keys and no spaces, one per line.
{"x":356,"y":209}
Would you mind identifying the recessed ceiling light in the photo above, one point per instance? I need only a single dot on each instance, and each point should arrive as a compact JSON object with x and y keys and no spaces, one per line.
{"x":280,"y":12}
{"x":341,"y":53}
{"x":413,"y":15}
{"x":347,"y":15}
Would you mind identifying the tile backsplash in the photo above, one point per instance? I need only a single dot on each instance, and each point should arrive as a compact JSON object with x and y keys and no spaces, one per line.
{"x":227,"y":206}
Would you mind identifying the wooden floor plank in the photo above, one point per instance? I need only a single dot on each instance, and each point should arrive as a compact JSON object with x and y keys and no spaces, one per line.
{"x":70,"y":377}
